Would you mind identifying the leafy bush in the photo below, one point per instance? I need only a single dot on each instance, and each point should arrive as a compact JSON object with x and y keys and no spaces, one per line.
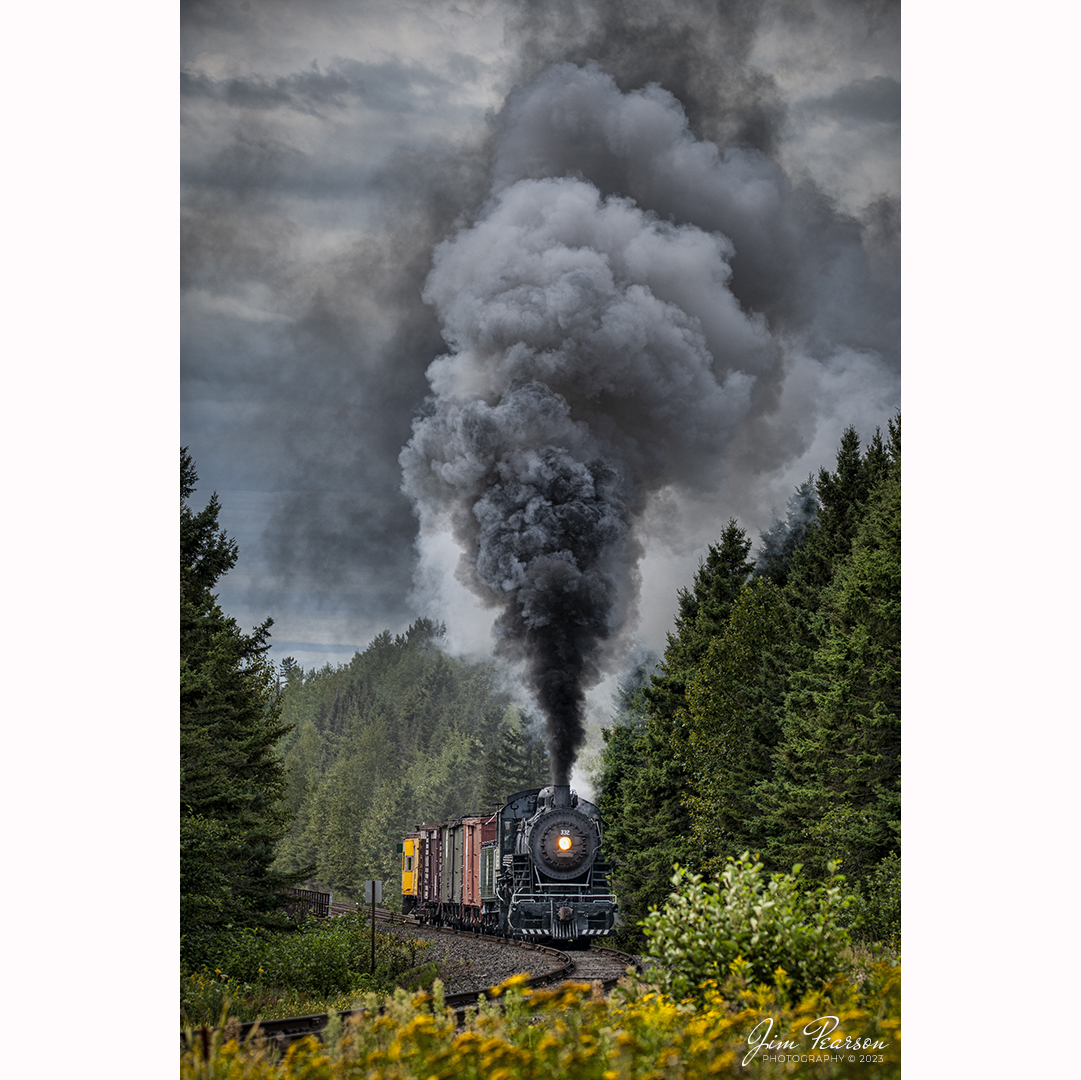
{"x":766,"y":925}
{"x":876,"y":906}
{"x":572,"y":1031}
{"x":321,"y":961}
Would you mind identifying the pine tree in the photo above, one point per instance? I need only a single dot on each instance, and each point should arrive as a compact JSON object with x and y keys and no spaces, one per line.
{"x":644,"y":777}
{"x":703,"y":610}
{"x":629,"y":700}
{"x":232,"y":778}
{"x":837,"y":790}
{"x":842,"y":497}
{"x":516,"y":761}
{"x":779,"y":543}
{"x":775,"y":722}
{"x":735,"y":706}
{"x":402,"y":734}
{"x":647,"y":827}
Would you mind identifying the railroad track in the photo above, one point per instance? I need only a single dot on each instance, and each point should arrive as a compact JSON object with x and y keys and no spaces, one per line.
{"x":597,"y":963}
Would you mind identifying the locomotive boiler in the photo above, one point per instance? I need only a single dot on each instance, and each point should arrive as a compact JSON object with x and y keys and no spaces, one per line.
{"x":533,"y":869}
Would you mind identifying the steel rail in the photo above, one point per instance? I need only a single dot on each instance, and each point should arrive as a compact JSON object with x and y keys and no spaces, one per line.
{"x":291,"y":1028}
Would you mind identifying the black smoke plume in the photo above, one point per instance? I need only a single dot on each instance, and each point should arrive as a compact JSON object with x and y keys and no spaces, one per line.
{"x":327,"y":149}
{"x":597,"y":356}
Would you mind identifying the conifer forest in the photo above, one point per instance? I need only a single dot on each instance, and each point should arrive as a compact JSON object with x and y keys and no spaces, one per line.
{"x":770,"y":725}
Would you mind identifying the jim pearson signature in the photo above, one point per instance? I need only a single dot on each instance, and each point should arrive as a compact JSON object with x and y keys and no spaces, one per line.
{"x":819,"y":1030}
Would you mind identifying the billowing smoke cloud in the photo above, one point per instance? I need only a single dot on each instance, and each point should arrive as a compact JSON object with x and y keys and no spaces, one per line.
{"x":699,"y":50}
{"x":600,"y":353}
{"x":744,"y":209}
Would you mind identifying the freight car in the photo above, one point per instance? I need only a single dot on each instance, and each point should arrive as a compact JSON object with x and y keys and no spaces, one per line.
{"x":533,"y":869}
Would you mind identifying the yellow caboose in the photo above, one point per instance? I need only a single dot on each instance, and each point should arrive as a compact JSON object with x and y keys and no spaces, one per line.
{"x":410,"y":849}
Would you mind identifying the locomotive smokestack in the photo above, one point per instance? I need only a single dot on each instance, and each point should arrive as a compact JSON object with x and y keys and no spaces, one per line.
{"x":561,"y":796}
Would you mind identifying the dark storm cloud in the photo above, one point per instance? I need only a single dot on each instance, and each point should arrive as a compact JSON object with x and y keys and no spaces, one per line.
{"x":334,"y":376}
{"x":389,"y":87}
{"x":877,"y":100}
{"x":316,"y":194}
{"x":696,"y":50}
{"x":881,"y":220}
{"x":243,"y":15}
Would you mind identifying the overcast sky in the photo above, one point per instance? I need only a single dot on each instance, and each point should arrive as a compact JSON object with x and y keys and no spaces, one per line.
{"x":329,"y":146}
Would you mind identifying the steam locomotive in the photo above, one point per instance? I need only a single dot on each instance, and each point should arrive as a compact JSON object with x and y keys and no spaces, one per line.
{"x":533,"y":869}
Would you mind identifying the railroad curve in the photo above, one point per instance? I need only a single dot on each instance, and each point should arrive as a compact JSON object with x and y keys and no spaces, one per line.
{"x":483,"y":962}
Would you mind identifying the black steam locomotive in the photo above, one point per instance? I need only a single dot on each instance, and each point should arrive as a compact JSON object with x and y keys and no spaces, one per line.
{"x":534,"y":869}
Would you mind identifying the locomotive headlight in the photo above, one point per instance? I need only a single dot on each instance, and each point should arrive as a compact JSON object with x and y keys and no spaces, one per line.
{"x":563,"y":843}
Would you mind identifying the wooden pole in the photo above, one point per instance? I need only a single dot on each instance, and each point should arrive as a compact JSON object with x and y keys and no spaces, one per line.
{"x":373,"y":927}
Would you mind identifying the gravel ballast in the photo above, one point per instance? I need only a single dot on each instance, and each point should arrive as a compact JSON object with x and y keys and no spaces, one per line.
{"x":470,"y":964}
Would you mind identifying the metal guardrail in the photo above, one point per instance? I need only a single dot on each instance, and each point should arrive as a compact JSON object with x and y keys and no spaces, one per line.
{"x":302,"y":901}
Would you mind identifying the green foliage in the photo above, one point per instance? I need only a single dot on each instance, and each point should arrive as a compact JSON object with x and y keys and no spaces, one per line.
{"x":206,"y":853}
{"x":843,"y":496}
{"x":647,"y":826}
{"x":836,"y":791}
{"x":571,"y":1033}
{"x":702,"y":613}
{"x":629,"y":700}
{"x":780,"y":542}
{"x":774,"y":721}
{"x":232,"y":779}
{"x":319,"y":961}
{"x":516,"y":761}
{"x":402,"y":734}
{"x":640,"y":802}
{"x":643,"y":775}
{"x":327,"y":956}
{"x":735,"y":707}
{"x":876,"y":905}
{"x":759,"y":925}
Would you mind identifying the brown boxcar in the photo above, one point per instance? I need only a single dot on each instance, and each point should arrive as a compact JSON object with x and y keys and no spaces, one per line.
{"x":431,"y":871}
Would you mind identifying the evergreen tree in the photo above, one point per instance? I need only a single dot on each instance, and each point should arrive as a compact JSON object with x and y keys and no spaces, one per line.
{"x":516,"y":761}
{"x":837,"y":790}
{"x":401,"y":734}
{"x":735,"y":708}
{"x":647,"y":827}
{"x":702,"y":612}
{"x":232,"y":778}
{"x":877,"y":458}
{"x":781,"y":540}
{"x":774,"y":723}
{"x":629,"y":700}
{"x":644,"y":772}
{"x":842,"y":497}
